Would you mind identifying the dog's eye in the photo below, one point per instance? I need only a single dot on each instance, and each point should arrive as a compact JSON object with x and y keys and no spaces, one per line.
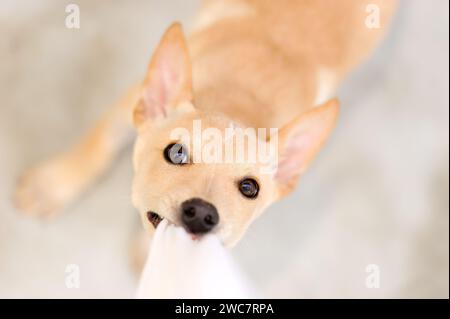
{"x":176,"y":154}
{"x":249,"y":187}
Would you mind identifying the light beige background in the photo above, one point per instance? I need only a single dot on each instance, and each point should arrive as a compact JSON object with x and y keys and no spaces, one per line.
{"x":378,"y":194}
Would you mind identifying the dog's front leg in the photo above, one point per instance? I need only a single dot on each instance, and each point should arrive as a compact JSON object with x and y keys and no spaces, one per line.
{"x":48,"y":187}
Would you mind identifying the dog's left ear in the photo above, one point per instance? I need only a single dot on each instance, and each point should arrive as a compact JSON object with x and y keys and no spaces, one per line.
{"x":300,"y":140}
{"x":169,"y":77}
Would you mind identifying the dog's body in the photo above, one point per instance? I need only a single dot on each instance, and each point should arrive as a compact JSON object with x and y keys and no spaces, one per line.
{"x":277,"y":58}
{"x":257,"y":63}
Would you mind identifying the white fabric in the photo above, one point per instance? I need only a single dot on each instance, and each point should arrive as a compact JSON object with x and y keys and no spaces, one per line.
{"x":179,"y":266}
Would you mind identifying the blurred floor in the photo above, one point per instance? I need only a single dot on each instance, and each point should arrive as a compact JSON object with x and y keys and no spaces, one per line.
{"x":378,"y":194}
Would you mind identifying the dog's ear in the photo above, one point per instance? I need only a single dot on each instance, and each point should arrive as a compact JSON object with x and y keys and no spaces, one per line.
{"x":169,"y":77}
{"x":300,"y":140}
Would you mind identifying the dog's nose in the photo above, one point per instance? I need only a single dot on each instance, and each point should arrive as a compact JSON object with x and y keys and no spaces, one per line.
{"x":198,"y":215}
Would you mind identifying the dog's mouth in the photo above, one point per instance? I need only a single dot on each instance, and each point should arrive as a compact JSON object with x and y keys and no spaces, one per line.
{"x":154,"y":218}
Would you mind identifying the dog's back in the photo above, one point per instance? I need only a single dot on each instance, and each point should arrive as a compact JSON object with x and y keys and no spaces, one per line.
{"x":279,"y":58}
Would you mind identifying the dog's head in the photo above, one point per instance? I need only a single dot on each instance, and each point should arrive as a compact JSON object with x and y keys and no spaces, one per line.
{"x":176,"y":181}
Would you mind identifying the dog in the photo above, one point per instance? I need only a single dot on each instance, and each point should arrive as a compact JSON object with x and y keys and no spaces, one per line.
{"x":247,"y":64}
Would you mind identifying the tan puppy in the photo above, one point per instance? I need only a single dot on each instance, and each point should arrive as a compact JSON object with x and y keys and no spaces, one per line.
{"x":249,"y":64}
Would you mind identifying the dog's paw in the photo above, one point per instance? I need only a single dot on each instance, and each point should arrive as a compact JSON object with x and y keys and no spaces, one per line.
{"x":45,"y":190}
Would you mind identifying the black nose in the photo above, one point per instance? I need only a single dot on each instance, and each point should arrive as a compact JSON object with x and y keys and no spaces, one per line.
{"x":199,"y":216}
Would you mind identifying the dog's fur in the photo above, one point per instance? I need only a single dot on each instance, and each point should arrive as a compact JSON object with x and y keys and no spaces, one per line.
{"x":253,"y":63}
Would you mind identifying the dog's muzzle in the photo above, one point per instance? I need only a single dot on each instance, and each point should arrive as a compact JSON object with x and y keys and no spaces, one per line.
{"x":199,"y":216}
